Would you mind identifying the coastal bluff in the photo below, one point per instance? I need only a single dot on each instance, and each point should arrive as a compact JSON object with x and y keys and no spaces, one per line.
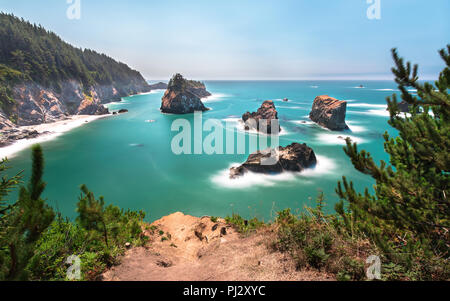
{"x":184,"y":96}
{"x":329,"y":112}
{"x":187,"y":248}
{"x":295,"y":158}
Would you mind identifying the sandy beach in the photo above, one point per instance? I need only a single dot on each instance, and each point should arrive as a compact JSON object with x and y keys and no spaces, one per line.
{"x":48,"y":132}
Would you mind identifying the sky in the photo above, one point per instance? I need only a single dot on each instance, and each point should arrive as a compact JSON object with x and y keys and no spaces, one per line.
{"x":251,"y":39}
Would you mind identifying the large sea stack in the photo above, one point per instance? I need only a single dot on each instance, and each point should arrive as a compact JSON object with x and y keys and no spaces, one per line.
{"x":295,"y":158}
{"x":329,"y":112}
{"x":266,"y":112}
{"x":184,"y":96}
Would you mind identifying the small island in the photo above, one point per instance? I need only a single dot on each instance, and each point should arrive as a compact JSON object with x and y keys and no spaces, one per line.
{"x":295,"y":158}
{"x":266,"y":112}
{"x":329,"y":112}
{"x":184,"y":96}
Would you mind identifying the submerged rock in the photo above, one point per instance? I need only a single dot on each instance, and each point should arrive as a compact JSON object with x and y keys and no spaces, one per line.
{"x":329,"y":112}
{"x":122,"y":111}
{"x":184,"y":96}
{"x":295,"y":157}
{"x":266,"y":112}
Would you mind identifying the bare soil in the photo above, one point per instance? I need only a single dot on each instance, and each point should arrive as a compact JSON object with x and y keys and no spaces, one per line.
{"x":197,"y":249}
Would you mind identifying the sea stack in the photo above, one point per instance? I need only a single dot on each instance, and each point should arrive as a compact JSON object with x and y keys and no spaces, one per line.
{"x":266,"y":112}
{"x":295,"y":158}
{"x":329,"y":112}
{"x":184,"y":96}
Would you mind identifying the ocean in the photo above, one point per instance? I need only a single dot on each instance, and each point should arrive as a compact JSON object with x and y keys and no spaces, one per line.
{"x":128,"y":158}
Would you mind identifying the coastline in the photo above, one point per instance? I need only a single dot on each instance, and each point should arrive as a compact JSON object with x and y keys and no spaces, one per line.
{"x":47,"y":132}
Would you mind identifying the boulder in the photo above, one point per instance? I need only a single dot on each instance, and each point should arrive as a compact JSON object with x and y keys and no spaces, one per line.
{"x":183,"y":96}
{"x":122,"y":111}
{"x":329,"y":112}
{"x":266,"y":112}
{"x":295,"y":158}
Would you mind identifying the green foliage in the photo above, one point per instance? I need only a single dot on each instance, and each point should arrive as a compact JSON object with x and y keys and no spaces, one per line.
{"x":35,"y":246}
{"x":179,"y":83}
{"x":28,"y":52}
{"x":214,"y":219}
{"x":314,"y":241}
{"x":242,"y":225}
{"x":408,"y":216}
{"x":25,"y":223}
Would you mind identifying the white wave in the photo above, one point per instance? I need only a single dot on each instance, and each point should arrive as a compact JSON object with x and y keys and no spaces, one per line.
{"x":324,"y":166}
{"x":51,"y":131}
{"x":381,"y":112}
{"x":250,"y":179}
{"x":215,"y":97}
{"x":292,"y":108}
{"x":240,"y":126}
{"x":314,"y":87}
{"x":356,"y":128}
{"x":337,"y":138}
{"x":384,"y":90}
{"x":366,"y":105}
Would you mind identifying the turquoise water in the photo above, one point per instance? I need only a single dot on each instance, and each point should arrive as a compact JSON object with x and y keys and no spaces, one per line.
{"x":130,"y":162}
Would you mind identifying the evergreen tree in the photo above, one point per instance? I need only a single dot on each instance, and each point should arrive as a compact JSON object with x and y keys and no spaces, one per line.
{"x":26,"y":222}
{"x":408,"y":216}
{"x":91,"y":213}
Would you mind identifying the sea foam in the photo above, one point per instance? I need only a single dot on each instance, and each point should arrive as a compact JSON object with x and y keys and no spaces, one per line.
{"x":324,"y":166}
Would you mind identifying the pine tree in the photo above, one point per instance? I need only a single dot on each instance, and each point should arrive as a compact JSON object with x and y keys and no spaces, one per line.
{"x":92,"y":213}
{"x":28,"y":219}
{"x":408,"y":216}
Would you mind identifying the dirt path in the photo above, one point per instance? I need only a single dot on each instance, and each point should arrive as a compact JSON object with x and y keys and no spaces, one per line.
{"x":197,"y":249}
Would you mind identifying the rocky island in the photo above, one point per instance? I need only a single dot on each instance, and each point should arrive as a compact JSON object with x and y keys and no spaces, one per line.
{"x":295,"y":157}
{"x":184,"y":96}
{"x":267,"y":112}
{"x":329,"y":112}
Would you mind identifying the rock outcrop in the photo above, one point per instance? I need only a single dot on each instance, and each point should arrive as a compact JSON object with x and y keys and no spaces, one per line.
{"x":184,"y":96}
{"x":295,"y":157}
{"x":36,"y":104}
{"x":159,"y":86}
{"x":329,"y":112}
{"x":8,"y":137}
{"x":266,"y":112}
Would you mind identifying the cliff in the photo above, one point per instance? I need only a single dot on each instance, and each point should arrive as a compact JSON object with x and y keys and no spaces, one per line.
{"x":44,"y":79}
{"x":184,"y":96}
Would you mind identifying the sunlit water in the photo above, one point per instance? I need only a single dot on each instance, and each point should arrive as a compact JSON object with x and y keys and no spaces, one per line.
{"x":129,"y":160}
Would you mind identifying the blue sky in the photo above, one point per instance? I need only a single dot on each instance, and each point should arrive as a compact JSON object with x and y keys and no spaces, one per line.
{"x":251,"y":39}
